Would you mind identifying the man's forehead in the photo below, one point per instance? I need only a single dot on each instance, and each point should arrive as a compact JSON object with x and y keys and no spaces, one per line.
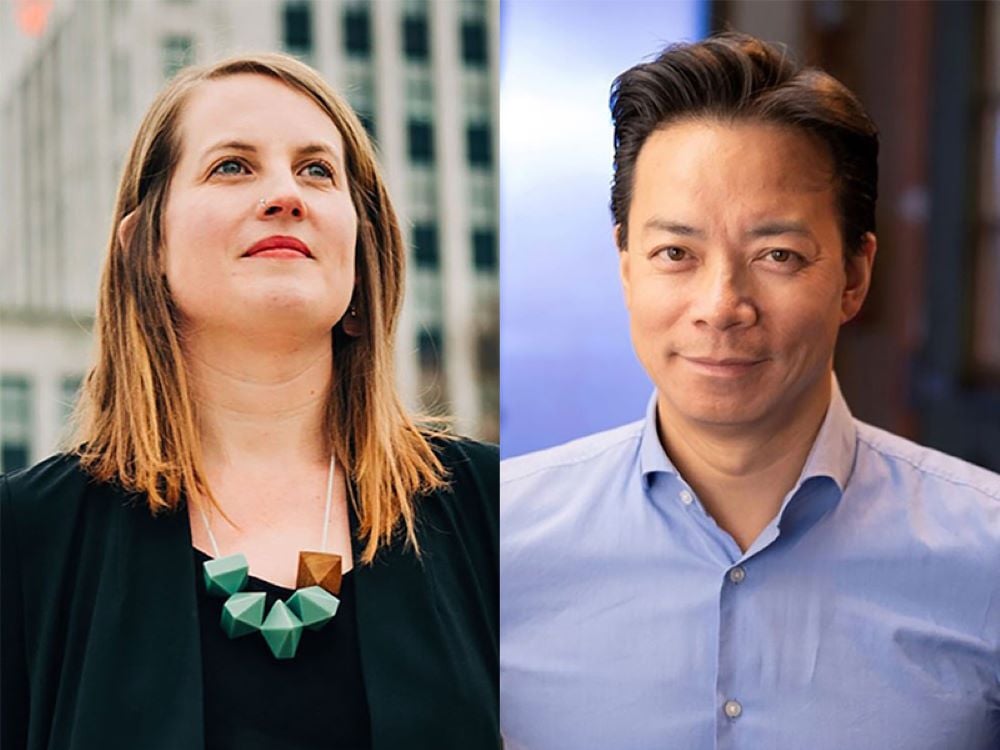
{"x":749,"y":176}
{"x":755,"y":154}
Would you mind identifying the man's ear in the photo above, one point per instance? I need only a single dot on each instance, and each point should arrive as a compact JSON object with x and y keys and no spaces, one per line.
{"x":623,"y":261}
{"x":859,"y":276}
{"x":126,"y":228}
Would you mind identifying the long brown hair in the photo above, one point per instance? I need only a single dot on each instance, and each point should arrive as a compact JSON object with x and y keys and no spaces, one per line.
{"x":136,"y":420}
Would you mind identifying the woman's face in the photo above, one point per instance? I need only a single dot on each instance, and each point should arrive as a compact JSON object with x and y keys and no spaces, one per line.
{"x":245,"y":138}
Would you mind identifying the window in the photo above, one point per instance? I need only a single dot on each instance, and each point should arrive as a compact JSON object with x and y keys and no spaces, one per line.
{"x":177,"y":53}
{"x":70,"y":391}
{"x":429,"y":347}
{"x":474,"y":52}
{"x":420,"y":137}
{"x":416,"y":42}
{"x":484,"y":249}
{"x":986,"y":305}
{"x":357,"y":31}
{"x":360,"y":88}
{"x":479,"y":146}
{"x":488,"y":352}
{"x":298,"y":36}
{"x":425,"y":245}
{"x":15,"y":422}
{"x":368,"y":120}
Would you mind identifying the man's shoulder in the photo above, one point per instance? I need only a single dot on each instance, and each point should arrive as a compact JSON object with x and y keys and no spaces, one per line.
{"x":932,"y":468}
{"x":601,"y":451}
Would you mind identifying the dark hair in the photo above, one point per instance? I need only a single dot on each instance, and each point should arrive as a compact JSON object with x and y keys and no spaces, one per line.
{"x":733,"y":76}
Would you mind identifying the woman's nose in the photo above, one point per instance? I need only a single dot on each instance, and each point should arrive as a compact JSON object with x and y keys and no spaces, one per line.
{"x":287,"y":203}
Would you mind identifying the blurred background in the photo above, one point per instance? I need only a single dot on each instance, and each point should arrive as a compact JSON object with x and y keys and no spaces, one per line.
{"x":76,"y":77}
{"x":922,"y":359}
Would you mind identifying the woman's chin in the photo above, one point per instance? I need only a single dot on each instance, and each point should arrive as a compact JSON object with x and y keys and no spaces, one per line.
{"x":286,"y":314}
{"x":294,"y":301}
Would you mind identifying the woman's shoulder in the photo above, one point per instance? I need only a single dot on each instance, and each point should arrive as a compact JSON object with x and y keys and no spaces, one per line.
{"x":469,"y":456}
{"x":56,"y":491}
{"x":472,"y":467}
{"x":473,"y":476}
{"x":59,"y":478}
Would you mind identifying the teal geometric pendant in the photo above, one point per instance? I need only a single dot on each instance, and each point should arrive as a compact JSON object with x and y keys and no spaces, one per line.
{"x":243,"y":613}
{"x":282,"y":631}
{"x":314,"y":606}
{"x":226,"y":575}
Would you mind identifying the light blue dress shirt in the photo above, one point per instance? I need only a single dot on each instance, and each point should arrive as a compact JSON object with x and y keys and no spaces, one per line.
{"x":866,"y":616}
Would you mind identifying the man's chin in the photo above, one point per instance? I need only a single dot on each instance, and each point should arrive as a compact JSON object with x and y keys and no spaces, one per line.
{"x":732,"y":411}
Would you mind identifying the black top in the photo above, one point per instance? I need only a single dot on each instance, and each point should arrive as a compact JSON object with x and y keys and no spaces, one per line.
{"x":100,"y":636}
{"x":314,"y":701}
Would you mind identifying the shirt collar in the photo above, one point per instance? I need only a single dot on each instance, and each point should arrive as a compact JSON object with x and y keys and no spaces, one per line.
{"x":832,"y":453}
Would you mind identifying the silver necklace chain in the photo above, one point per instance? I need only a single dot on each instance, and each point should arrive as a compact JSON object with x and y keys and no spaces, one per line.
{"x":326,"y":514}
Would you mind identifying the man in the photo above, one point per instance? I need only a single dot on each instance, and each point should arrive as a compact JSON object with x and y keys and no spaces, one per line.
{"x":748,"y":566}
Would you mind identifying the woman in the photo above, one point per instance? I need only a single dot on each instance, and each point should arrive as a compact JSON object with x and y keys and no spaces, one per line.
{"x":243,"y":404}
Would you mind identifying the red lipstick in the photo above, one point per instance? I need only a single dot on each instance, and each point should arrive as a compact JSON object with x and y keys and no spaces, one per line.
{"x":271,"y":245}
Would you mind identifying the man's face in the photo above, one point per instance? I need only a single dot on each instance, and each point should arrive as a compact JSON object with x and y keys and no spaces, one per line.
{"x":734,"y":273}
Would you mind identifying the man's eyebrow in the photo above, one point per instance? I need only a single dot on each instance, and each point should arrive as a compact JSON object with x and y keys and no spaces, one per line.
{"x":775,"y":228}
{"x":674,"y":227}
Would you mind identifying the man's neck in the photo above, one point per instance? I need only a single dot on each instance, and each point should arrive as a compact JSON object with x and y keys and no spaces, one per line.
{"x":741,"y":475}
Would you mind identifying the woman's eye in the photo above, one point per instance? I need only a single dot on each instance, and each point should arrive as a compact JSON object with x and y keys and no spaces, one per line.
{"x":229,"y":167}
{"x":320,"y":170}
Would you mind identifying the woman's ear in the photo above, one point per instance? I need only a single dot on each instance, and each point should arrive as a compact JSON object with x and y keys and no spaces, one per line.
{"x":126,"y":228}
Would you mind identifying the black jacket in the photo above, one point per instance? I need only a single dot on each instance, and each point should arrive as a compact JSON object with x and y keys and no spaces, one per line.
{"x":100,"y":636}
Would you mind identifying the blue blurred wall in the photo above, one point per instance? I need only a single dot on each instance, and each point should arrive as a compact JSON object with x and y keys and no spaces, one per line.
{"x":567,"y":365}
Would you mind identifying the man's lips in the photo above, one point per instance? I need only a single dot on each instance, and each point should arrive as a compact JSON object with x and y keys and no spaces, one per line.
{"x":729,"y":361}
{"x":271,"y":246}
{"x":728,"y":366}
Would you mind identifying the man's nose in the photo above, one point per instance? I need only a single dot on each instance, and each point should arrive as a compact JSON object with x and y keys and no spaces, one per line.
{"x":724,"y":299}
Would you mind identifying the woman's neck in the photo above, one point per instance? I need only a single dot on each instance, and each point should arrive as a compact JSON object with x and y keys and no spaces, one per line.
{"x":260,"y":403}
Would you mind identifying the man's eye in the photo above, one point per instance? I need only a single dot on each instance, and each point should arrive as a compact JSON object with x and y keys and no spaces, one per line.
{"x":675,"y":253}
{"x":781,"y":256}
{"x":229,"y":167}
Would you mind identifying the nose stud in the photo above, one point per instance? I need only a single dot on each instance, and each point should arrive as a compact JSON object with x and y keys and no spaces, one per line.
{"x":262,"y":203}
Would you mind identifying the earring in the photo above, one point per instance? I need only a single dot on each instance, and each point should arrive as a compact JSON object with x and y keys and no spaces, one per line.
{"x":352,"y":324}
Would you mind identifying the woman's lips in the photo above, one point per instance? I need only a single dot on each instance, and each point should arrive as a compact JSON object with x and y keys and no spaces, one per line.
{"x":278,"y":246}
{"x":279,"y":252}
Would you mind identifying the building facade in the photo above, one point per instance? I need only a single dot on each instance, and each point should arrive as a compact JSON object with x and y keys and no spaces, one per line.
{"x":422,"y":75}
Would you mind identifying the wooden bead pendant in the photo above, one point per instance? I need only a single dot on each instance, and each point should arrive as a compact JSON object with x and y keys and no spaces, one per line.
{"x":319,"y":569}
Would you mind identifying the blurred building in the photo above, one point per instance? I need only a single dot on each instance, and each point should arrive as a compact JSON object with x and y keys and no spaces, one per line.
{"x":75,"y":79}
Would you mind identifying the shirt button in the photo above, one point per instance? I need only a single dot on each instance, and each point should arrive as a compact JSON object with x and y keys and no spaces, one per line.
{"x":733,"y":709}
{"x":686,"y":497}
{"x":736,"y":575}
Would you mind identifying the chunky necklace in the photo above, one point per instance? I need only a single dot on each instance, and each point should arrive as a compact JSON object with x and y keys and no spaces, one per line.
{"x":312,"y":606}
